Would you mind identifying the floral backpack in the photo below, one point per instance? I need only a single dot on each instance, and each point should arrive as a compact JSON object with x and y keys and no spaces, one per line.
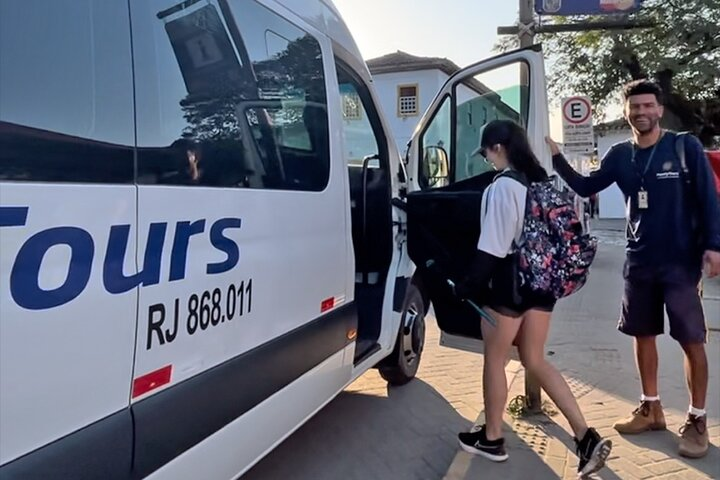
{"x":554,"y":254}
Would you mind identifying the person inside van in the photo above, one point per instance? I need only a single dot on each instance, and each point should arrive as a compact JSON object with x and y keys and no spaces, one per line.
{"x":514,"y":314}
{"x":179,"y":163}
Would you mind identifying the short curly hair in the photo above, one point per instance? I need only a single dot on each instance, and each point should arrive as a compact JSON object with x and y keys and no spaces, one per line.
{"x":642,"y":87}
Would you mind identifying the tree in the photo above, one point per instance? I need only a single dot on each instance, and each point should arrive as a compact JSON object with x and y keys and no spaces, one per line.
{"x":294,"y":73}
{"x":681,"y":51}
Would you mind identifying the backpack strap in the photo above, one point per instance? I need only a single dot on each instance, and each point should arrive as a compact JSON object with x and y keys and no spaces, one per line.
{"x":688,"y":180}
{"x":682,"y":156}
{"x":515,"y":175}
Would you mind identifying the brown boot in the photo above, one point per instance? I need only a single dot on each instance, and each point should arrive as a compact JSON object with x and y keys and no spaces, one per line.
{"x":648,"y":416}
{"x":694,"y":437}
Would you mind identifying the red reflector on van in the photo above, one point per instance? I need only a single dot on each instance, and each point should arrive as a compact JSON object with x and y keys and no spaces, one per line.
{"x":151,"y":381}
{"x":327,"y":304}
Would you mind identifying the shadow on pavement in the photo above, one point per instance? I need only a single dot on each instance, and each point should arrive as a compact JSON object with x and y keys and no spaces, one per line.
{"x":524,"y":463}
{"x":525,"y":437}
{"x":667,"y":443}
{"x":553,"y":429}
{"x":406,"y":432}
{"x":587,"y":346}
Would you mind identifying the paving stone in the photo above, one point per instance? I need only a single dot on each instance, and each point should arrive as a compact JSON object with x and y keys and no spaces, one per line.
{"x":374,"y":432}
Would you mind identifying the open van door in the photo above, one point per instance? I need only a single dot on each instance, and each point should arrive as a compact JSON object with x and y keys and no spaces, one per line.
{"x":447,"y":175}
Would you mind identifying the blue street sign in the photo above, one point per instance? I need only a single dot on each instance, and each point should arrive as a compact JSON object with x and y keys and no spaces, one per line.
{"x":585,"y":7}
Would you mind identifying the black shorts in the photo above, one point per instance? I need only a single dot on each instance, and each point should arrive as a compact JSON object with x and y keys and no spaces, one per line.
{"x":652,"y":290}
{"x":502,"y":299}
{"x":505,"y":304}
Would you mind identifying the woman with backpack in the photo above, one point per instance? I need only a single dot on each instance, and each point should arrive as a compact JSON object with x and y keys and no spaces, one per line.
{"x":515,"y":312}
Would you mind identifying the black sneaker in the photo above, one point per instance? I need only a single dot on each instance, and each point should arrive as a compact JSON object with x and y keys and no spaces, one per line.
{"x":592,"y":451}
{"x":478,"y":444}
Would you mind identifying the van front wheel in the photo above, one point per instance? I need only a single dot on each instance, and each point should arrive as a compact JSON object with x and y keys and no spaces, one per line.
{"x":402,"y":364}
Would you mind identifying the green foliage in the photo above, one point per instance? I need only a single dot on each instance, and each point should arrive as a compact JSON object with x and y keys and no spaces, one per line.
{"x":681,"y":51}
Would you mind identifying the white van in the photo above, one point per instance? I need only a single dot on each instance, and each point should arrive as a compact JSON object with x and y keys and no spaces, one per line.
{"x":202,"y":228}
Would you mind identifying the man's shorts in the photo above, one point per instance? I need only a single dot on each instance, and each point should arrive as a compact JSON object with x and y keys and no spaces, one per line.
{"x":651,"y":289}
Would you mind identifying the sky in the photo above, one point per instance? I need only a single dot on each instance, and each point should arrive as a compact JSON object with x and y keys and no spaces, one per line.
{"x":463,"y":31}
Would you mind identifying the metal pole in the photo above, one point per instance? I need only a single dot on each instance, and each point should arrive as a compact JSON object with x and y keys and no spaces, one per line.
{"x":581,"y":27}
{"x":526,"y":34}
{"x":526,"y":19}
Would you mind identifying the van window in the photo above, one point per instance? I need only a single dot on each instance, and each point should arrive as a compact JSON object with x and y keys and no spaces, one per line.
{"x":500,"y":94}
{"x":437,"y":138}
{"x":360,"y":140}
{"x":66,"y":105}
{"x":229,"y":94}
{"x":449,"y":156}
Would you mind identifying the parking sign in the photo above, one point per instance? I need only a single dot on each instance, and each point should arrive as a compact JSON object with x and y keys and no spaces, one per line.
{"x":578,"y":134}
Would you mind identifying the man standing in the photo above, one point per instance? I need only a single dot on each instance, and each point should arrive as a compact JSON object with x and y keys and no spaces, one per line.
{"x":593,"y":205}
{"x":673,"y":230}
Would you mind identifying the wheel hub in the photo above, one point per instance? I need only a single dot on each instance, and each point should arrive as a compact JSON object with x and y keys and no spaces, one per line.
{"x":413,"y":334}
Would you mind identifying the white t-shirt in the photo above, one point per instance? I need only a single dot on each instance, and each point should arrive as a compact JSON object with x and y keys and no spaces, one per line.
{"x":501,"y":216}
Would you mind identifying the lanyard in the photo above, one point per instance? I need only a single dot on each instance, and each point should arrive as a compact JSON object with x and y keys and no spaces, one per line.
{"x":649,"y":160}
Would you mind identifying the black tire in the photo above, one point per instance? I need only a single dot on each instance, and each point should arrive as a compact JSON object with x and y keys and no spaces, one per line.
{"x":402,"y":364}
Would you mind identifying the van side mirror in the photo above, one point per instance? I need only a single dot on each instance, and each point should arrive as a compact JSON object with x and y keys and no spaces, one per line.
{"x":435,"y":166}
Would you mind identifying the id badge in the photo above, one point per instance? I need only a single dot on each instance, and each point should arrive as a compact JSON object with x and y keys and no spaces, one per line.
{"x":642,"y":200}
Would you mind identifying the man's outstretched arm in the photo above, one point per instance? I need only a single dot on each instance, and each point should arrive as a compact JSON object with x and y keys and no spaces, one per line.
{"x":580,"y":184}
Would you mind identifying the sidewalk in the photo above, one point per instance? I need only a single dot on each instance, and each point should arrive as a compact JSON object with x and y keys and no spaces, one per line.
{"x":375,"y":432}
{"x":599,"y":364}
{"x":608,"y":224}
{"x":711,"y":302}
{"x":541,"y":446}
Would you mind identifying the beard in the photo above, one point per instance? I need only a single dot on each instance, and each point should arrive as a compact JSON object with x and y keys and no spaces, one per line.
{"x":644,"y":124}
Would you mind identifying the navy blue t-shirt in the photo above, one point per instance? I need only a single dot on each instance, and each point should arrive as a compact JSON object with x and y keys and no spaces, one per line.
{"x":682,"y":220}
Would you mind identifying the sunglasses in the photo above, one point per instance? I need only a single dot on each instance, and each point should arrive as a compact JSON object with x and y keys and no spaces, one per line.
{"x":483,"y":151}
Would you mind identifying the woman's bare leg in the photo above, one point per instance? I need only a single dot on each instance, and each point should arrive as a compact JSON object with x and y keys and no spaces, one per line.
{"x":531,"y":346}
{"x":498,"y":341}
